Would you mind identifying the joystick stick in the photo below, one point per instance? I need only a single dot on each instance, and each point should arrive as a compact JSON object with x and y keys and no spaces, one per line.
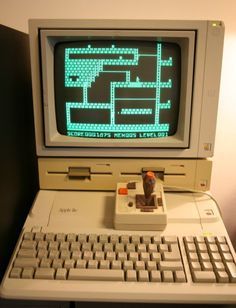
{"x":149,"y":181}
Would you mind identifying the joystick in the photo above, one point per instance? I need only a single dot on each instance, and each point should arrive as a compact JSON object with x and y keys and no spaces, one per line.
{"x":141,"y":205}
{"x":149,"y":181}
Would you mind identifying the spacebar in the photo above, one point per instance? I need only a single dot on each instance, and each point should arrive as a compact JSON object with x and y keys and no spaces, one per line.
{"x":95,"y":274}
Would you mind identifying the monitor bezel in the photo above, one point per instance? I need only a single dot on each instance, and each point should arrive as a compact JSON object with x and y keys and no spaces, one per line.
{"x":205,"y":95}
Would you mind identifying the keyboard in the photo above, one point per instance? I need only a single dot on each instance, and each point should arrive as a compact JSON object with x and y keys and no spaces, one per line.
{"x":126,"y":258}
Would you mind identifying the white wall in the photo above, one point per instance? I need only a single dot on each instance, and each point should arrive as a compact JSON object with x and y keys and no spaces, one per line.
{"x":15,"y":13}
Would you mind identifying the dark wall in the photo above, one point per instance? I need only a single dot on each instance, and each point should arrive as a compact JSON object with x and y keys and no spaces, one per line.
{"x":18,"y":165}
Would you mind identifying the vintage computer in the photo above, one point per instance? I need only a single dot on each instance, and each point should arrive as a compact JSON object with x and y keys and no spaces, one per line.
{"x":125,"y":118}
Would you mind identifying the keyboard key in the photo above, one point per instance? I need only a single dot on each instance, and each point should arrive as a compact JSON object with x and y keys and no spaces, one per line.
{"x":155,"y":276}
{"x":219,"y":266}
{"x":227,"y":257}
{"x":69,"y":263}
{"x":163,"y":247}
{"x":27,"y":253}
{"x":119,"y":247}
{"x":133,"y":256}
{"x":60,"y":237}
{"x":193,"y":256}
{"x":170,"y":240}
{"x":110,"y":255}
{"x":104,"y":264}
{"x":222,"y":277}
{"x":231,"y":270}
{"x":144,"y":256}
{"x":171,"y":256}
{"x":199,"y":239}
{"x":213,"y":248}
{"x":103,"y":238}
{"x":140,"y":265}
{"x":124,"y":239}
{"x":215,"y":256}
{"x":28,"y":244}
{"x":49,"y":237}
{"x":143,"y":276}
{"x":155,"y":256}
{"x":81,"y":263}
{"x":39,"y":236}
{"x":57,"y":263}
{"x":167,"y":276}
{"x":131,"y":275}
{"x":156,"y":240}
{"x":116,"y":264}
{"x":76,"y":255}
{"x":75,"y":246}
{"x":61,"y":274}
{"x":179,"y":276}
{"x":190,"y":247}
{"x":130,"y":248}
{"x":141,"y":248}
{"x":82,"y":238}
{"x":201,"y":247}
{"x":170,"y":265}
{"x":151,"y":266}
{"x":224,"y":248}
{"x":135,"y":239}
{"x":27,"y":273}
{"x":88,"y":255}
{"x":97,"y":247}
{"x":15,"y":272}
{"x":92,"y":238}
{"x":93,"y":264}
{"x":96,"y":274}
{"x":122,"y":256}
{"x":152,"y":248}
{"x":188,"y":239}
{"x":44,"y":273}
{"x":204,"y":276}
{"x":210,"y":240}
{"x":65,"y":254}
{"x":128,"y":265}
{"x":71,"y":237}
{"x":221,"y":239}
{"x":207,"y":266}
{"x":45,"y":262}
{"x":146,"y":239}
{"x":99,"y":255}
{"x":26,"y":262}
{"x":114,"y":238}
{"x":108,"y":247}
{"x":42,"y":245}
{"x":195,"y":266}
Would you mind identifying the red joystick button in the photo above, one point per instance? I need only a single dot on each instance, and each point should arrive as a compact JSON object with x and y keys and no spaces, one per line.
{"x":123,"y":191}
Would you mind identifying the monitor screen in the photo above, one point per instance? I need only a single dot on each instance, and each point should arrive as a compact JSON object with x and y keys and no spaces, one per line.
{"x":117,"y":89}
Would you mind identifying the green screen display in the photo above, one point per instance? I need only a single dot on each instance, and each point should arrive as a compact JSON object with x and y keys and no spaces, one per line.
{"x":117,"y":89}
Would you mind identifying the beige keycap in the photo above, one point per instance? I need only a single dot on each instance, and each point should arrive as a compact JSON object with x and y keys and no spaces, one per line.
{"x":44,"y":273}
{"x":96,"y":274}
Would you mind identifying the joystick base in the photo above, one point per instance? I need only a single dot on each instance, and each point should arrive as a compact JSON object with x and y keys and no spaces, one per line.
{"x":132,"y":212}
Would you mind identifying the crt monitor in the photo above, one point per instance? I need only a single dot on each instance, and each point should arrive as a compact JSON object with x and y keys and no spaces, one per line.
{"x":125,"y":88}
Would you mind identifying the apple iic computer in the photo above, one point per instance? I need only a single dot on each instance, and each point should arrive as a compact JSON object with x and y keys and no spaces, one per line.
{"x":125,"y":118}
